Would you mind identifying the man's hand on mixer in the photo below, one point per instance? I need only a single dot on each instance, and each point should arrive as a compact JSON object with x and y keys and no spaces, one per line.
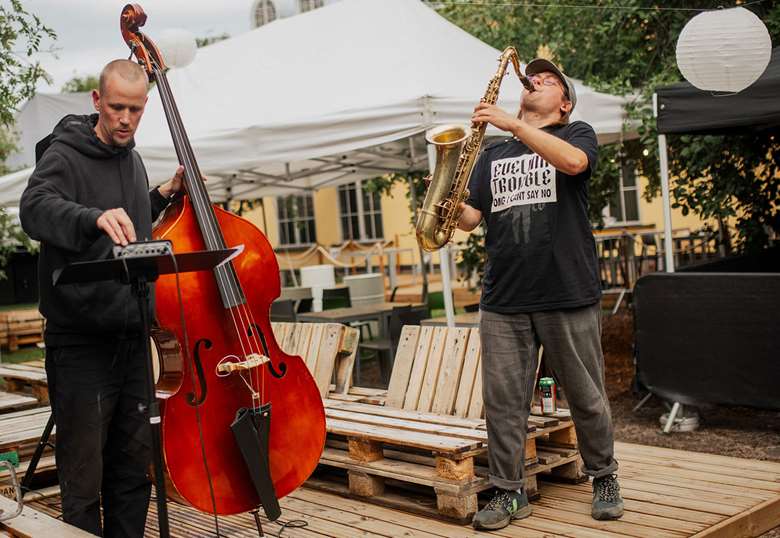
{"x":117,"y":225}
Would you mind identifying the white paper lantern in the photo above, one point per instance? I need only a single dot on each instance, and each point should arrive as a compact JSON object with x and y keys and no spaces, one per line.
{"x":177,"y":46}
{"x":724,"y":50}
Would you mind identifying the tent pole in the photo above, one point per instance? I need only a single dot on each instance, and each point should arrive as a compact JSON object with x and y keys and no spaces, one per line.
{"x":413,"y":198}
{"x":666,"y":198}
{"x":444,"y":258}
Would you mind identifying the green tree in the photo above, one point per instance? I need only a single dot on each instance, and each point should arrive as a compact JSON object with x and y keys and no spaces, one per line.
{"x":86,"y":83}
{"x":21,"y":36}
{"x":627,"y":47}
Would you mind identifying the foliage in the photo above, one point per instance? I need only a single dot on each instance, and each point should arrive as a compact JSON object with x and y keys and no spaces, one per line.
{"x":384,"y":184}
{"x":12,"y":238}
{"x":86,"y":83}
{"x":21,"y":36}
{"x":627,"y":47}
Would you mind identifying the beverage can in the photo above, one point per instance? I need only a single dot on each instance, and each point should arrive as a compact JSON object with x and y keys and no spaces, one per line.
{"x":547,"y":390}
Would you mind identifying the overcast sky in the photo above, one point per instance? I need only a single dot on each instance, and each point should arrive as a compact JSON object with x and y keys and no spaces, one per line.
{"x":88,"y":33}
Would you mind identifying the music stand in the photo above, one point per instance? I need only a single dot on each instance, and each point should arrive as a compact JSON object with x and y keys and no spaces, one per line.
{"x":138,"y":272}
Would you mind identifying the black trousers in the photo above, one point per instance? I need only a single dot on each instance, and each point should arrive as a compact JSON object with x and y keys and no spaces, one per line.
{"x":103,"y":446}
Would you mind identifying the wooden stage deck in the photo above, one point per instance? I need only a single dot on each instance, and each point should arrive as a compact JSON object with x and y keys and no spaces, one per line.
{"x":668,"y":493}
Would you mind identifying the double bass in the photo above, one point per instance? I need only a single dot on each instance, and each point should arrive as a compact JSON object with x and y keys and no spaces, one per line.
{"x":233,"y":363}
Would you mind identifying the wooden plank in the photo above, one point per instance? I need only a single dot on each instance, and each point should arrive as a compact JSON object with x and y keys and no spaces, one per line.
{"x":407,"y":425}
{"x":314,"y":346}
{"x":476,"y":405}
{"x":468,"y":376}
{"x":424,"y":342}
{"x":361,"y":522}
{"x":617,"y":526}
{"x":345,"y":362}
{"x":425,"y":441}
{"x":754,"y":522}
{"x":704,"y":476}
{"x":302,"y":337}
{"x":419,"y":416}
{"x":450,"y":371}
{"x":401,"y":470}
{"x":555,"y":491}
{"x":716,"y":468}
{"x":432,"y":369}
{"x":731,"y":494}
{"x":402,"y":365}
{"x":326,"y":358}
{"x":715,"y":459}
{"x":15,"y":401}
{"x":661,"y":523}
{"x":32,"y":523}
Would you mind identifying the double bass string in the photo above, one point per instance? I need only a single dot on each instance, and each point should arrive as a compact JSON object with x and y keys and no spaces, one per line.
{"x":213,"y":238}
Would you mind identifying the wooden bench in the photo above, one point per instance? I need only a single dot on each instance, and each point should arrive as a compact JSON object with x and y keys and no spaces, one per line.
{"x":428,"y":428}
{"x":18,"y":327}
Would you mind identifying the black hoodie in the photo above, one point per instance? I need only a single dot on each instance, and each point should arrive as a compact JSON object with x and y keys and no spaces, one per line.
{"x":77,"y":178}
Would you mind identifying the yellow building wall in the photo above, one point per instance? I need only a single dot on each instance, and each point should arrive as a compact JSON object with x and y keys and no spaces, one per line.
{"x":652,"y":213}
{"x":327,"y":216}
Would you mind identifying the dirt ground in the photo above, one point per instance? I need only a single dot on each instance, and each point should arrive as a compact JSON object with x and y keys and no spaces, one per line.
{"x":730,"y":431}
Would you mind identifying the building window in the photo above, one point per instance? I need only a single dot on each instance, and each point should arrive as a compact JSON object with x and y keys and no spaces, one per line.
{"x":361,"y":212}
{"x":308,"y":5}
{"x":296,"y":220}
{"x":624,"y":206}
{"x":265,"y":12}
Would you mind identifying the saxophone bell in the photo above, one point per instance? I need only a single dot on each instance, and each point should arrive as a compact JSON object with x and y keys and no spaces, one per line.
{"x":434,"y":224}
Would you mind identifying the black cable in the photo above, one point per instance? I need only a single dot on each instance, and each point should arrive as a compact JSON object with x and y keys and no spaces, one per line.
{"x":197,"y":406}
{"x":292,"y":524}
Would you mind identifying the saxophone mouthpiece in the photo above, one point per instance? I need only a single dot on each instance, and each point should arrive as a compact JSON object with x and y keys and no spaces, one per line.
{"x":527,"y":84}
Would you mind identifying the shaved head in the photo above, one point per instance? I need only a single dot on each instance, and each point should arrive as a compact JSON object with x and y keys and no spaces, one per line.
{"x":129,"y":71}
{"x":120,"y":101}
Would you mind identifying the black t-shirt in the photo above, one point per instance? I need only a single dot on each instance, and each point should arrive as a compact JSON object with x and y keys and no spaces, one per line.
{"x":541,"y":254}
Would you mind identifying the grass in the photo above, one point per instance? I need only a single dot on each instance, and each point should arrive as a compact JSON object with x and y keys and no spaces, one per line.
{"x":23,"y":354}
{"x":23,"y":306}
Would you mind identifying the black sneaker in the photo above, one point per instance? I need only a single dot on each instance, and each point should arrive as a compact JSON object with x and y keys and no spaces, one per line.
{"x":505,"y":506}
{"x":607,"y":503}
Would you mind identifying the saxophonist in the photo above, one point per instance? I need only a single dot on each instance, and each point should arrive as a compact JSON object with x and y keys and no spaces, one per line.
{"x":541,"y":286}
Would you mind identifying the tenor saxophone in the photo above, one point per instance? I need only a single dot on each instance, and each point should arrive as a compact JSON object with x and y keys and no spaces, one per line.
{"x":456,"y":152}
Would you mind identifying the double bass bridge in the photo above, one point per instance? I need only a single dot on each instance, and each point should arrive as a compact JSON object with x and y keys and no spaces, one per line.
{"x":253,"y":360}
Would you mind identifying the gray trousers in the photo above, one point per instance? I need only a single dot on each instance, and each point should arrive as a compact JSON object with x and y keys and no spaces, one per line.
{"x":572,"y":350}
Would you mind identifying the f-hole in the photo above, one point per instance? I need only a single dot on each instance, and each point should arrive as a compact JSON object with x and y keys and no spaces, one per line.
{"x":282,"y":365}
{"x":192,"y":398}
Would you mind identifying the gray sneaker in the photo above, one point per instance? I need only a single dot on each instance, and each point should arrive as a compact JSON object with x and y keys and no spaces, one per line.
{"x":505,"y":506}
{"x":607,"y":503}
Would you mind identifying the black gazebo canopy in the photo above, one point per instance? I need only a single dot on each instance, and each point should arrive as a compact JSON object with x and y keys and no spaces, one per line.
{"x":683,"y":108}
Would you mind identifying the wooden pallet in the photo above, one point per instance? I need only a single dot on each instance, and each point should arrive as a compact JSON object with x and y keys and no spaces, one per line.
{"x":25,"y":378}
{"x":19,"y":327}
{"x":379,"y":445}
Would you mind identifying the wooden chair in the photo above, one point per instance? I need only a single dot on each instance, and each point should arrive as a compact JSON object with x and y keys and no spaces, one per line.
{"x":283,"y":310}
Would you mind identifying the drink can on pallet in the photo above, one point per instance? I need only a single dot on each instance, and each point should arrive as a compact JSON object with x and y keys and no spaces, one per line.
{"x":547,"y":390}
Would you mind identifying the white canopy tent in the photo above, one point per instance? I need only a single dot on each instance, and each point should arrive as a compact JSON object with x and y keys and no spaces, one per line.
{"x":330,"y":96}
{"x":326,"y":97}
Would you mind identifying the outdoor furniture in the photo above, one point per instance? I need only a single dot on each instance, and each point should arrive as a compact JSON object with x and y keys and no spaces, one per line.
{"x":283,"y":310}
{"x":384,"y":348}
{"x":336,"y":298}
{"x":468,"y":319}
{"x":429,"y":432}
{"x":368,"y":312}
